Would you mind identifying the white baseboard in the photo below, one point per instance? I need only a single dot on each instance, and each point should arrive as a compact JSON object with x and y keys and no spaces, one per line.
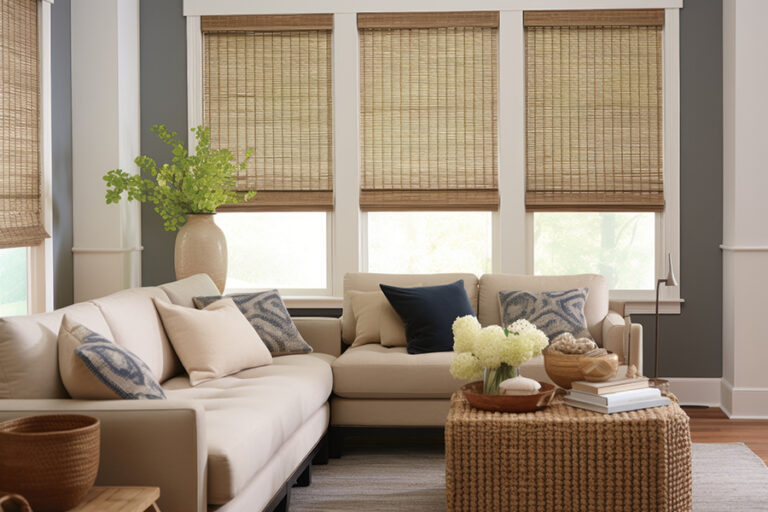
{"x":696,"y":391}
{"x":744,"y":403}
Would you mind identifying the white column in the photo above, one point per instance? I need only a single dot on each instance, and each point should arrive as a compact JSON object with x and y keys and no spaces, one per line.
{"x":346,"y":138}
{"x":105,"y":135}
{"x":745,"y":210}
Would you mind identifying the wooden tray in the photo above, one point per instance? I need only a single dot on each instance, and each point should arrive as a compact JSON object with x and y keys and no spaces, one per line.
{"x":507,"y":403}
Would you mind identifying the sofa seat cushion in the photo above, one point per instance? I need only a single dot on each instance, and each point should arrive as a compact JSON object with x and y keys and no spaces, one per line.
{"x":249,"y":415}
{"x":373,"y":371}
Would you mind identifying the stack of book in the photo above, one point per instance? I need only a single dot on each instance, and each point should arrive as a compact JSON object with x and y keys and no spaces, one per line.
{"x":615,"y":395}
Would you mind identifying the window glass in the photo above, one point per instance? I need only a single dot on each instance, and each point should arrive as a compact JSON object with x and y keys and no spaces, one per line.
{"x":620,"y":246}
{"x":275,"y":249}
{"x":13,"y":281}
{"x":428,"y":242}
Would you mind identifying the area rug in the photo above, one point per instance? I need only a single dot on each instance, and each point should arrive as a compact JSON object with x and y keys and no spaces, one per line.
{"x":726,"y":477}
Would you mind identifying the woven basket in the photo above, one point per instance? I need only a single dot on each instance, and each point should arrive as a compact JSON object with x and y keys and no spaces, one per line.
{"x":50,"y":460}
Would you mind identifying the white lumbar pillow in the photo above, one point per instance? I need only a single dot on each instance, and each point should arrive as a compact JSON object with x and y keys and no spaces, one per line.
{"x":212,"y":342}
{"x":519,"y":386}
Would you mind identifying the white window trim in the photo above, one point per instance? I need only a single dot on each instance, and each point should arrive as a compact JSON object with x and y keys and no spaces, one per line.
{"x":40,"y":257}
{"x":347,"y":239}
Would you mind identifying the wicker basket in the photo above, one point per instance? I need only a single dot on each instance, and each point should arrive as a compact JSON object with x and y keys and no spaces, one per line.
{"x":50,"y":460}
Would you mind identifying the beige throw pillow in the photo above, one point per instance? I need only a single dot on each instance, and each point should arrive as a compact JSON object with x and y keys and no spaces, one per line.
{"x":212,"y":342}
{"x":79,"y":381}
{"x":376,"y":321}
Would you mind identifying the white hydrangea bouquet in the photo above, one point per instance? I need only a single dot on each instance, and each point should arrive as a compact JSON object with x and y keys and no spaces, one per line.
{"x":493,"y":353}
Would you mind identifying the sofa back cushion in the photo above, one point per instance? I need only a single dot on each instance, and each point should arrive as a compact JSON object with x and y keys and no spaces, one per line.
{"x":369,"y":282}
{"x":29,"y":366}
{"x":182,"y":292}
{"x":135,"y":325}
{"x":595,"y":307}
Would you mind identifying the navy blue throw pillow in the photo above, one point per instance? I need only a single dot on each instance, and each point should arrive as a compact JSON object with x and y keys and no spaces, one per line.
{"x":428,"y":313}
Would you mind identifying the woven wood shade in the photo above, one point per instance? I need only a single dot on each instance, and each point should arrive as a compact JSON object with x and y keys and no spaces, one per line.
{"x":270,"y":91}
{"x":429,"y":114}
{"x":21,"y":208}
{"x":594,"y":112}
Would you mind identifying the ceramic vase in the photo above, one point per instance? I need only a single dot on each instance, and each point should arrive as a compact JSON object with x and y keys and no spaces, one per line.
{"x":201,"y":247}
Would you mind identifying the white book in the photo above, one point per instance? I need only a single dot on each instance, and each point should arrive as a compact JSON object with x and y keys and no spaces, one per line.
{"x":631,"y":406}
{"x":621,"y":397}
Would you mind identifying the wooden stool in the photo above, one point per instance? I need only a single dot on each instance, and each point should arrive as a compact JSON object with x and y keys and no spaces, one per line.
{"x":120,"y":499}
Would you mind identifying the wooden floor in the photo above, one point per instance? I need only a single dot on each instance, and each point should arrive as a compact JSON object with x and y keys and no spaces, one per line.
{"x":711,"y":425}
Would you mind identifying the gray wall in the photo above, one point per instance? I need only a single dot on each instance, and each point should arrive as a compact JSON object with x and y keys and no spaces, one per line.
{"x":163,"y":39}
{"x":691,"y":341}
{"x":61,"y":113}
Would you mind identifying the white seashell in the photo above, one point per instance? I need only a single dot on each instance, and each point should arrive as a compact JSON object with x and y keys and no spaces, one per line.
{"x":519,"y":386}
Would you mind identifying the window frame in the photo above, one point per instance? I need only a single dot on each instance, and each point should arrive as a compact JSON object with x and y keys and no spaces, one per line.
{"x":347,"y":240}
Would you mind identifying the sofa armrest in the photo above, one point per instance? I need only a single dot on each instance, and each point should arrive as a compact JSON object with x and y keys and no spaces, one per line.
{"x":322,"y":333}
{"x":620,"y":335}
{"x":143,"y":442}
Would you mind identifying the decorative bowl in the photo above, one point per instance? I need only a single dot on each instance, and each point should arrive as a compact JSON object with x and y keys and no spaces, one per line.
{"x":563,"y":368}
{"x":508,"y":403}
{"x":599,"y":369}
{"x":50,"y":460}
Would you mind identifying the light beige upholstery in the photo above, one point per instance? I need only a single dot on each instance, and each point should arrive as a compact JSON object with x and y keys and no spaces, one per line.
{"x":141,"y":331}
{"x":322,"y":334}
{"x":259,"y":491}
{"x":373,"y":412}
{"x":29,"y":365}
{"x":595,"y":308}
{"x":373,"y":371}
{"x":250,"y":415}
{"x":182,"y":292}
{"x":369,"y":282}
{"x":143,"y":442}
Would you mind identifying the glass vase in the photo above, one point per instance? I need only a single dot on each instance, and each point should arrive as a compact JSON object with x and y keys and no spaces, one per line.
{"x":492,"y":377}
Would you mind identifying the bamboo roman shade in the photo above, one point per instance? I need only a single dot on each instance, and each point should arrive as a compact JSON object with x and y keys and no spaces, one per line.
{"x":21,"y":208}
{"x":429,"y":111}
{"x":594,"y":110}
{"x":267,"y":88}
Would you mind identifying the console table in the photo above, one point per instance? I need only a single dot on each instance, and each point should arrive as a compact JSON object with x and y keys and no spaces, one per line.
{"x":564,"y":458}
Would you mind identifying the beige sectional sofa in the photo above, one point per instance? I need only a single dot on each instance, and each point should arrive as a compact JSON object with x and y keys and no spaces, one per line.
{"x":378,"y":386}
{"x":234,"y":443}
{"x":240,"y":442}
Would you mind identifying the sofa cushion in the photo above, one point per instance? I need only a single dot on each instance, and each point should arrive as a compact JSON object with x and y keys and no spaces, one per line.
{"x":373,"y":371}
{"x":212,"y":342}
{"x":136,"y":325}
{"x":595,"y":308}
{"x":93,"y":367}
{"x":553,"y":312}
{"x":369,"y":282}
{"x":376,"y":321}
{"x":29,"y":365}
{"x":182,"y":292}
{"x":251,"y":414}
{"x":429,"y":313}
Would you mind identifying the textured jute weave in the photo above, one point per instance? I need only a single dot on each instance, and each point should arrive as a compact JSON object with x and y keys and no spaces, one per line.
{"x":567,"y":459}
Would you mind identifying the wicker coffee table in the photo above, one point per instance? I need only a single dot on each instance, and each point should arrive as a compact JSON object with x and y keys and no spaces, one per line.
{"x":567,"y":459}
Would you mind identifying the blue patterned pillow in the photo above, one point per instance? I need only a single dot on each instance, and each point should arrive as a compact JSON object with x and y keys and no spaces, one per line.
{"x":269,"y":317}
{"x":552,"y":312}
{"x":117,"y":368}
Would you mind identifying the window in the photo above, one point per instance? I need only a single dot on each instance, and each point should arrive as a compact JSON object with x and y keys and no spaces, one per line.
{"x":13,"y":276}
{"x":620,"y":246}
{"x":425,"y":242}
{"x":285,"y":250}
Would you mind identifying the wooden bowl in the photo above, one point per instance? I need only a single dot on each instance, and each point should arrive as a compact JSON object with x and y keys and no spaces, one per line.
{"x":508,"y":403}
{"x":563,"y":368}
{"x":50,"y":460}
{"x":599,"y":369}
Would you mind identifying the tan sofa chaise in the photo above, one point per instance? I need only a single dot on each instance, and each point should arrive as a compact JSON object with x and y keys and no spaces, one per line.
{"x":377,"y":386}
{"x":234,"y":443}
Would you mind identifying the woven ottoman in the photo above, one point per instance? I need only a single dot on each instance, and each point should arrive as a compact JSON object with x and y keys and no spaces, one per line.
{"x":567,"y":459}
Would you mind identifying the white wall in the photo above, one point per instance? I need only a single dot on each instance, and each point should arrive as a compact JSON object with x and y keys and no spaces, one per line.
{"x":745,"y":209}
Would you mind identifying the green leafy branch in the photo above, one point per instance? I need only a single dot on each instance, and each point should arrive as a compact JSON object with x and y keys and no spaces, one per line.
{"x":197,"y":183}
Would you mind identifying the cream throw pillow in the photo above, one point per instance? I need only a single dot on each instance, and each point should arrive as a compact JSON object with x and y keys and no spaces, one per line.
{"x":212,"y":342}
{"x":376,"y":321}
